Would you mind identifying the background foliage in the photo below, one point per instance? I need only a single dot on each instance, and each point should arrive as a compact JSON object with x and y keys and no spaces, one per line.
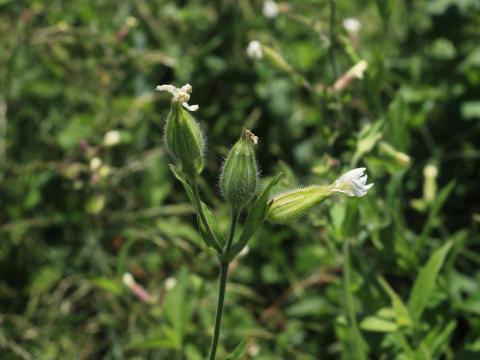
{"x":394,"y":275}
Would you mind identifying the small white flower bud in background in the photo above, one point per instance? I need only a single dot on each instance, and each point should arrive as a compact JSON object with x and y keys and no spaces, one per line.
{"x":430,"y":172}
{"x":95,"y":164}
{"x":244,"y":251}
{"x":131,"y":21}
{"x":170,"y":283}
{"x":136,"y":289}
{"x":254,"y":50}
{"x":352,"y":25}
{"x":128,"y":280}
{"x":253,"y":350}
{"x":111,"y":138}
{"x":270,"y":9}
{"x":355,"y":72}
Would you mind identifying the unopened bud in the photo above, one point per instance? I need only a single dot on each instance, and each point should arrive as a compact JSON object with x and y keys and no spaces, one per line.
{"x":239,"y":177}
{"x":183,"y":136}
{"x":293,"y":204}
{"x":276,"y":60}
{"x":400,"y":157}
{"x":430,"y":172}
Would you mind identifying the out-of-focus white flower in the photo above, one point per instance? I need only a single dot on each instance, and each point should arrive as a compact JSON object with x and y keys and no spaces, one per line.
{"x":137,"y":289}
{"x":95,"y":163}
{"x":358,"y":69}
{"x":352,"y":25}
{"x":270,"y":9}
{"x":112,"y":138}
{"x":128,"y":280}
{"x":430,"y":172}
{"x":170,"y":283}
{"x":181,"y":95}
{"x":131,"y":21}
{"x":244,"y":251}
{"x":254,"y":50}
{"x":253,"y":350}
{"x":353,"y":183}
{"x":355,"y":71}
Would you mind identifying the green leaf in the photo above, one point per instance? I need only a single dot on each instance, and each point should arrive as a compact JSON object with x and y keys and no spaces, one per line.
{"x":208,"y":214}
{"x":377,"y":324}
{"x":109,"y":285}
{"x":181,"y":177}
{"x":215,"y":228}
{"x":402,"y":316}
{"x":238,"y":353}
{"x":437,"y":339}
{"x":177,"y":308}
{"x":255,"y":218}
{"x":425,"y":282}
{"x":435,"y":209}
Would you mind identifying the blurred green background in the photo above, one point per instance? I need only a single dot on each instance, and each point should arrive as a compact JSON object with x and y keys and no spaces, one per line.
{"x":86,"y":194}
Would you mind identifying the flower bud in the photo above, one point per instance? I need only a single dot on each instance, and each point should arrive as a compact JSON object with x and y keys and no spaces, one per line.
{"x":430,"y":172}
{"x":183,"y":136}
{"x":293,"y":204}
{"x":239,"y":177}
{"x":276,"y":60}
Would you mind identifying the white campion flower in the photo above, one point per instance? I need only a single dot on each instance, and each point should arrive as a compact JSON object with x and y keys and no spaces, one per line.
{"x":112,"y":138}
{"x":95,"y":163}
{"x":270,"y":9}
{"x":358,"y":69}
{"x":254,"y":50}
{"x":352,"y":25}
{"x":170,"y":283}
{"x":355,"y":72}
{"x":128,"y":280}
{"x":181,"y":95}
{"x":353,"y":183}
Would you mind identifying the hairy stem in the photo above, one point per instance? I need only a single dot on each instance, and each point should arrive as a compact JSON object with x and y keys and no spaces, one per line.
{"x":222,"y":286}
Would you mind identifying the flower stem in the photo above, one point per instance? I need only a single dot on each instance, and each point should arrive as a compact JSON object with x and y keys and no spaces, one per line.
{"x":222,"y":286}
{"x":218,"y":315}
{"x":198,"y":205}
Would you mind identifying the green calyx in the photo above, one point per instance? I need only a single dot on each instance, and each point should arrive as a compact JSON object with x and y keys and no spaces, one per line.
{"x":293,"y":204}
{"x":239,"y":176}
{"x":184,"y":140}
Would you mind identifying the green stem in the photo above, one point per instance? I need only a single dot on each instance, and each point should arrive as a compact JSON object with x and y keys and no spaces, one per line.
{"x":222,"y":286}
{"x":198,"y":205}
{"x":352,"y":317}
{"x":218,"y":316}
{"x":233,"y":225}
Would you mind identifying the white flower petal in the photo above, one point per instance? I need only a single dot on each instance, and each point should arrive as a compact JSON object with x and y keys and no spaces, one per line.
{"x":353,"y":183}
{"x":270,"y":9}
{"x":254,"y":50}
{"x":181,"y":95}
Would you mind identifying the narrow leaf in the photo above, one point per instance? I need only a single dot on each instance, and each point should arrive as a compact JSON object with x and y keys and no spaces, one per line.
{"x":377,"y":324}
{"x":215,"y":228}
{"x":255,"y":218}
{"x":437,"y":339}
{"x":208,"y":214}
{"x":425,"y":282}
{"x":181,"y":177}
{"x":238,"y":353}
{"x":176,"y":306}
{"x":435,"y":209}
{"x":402,"y":315}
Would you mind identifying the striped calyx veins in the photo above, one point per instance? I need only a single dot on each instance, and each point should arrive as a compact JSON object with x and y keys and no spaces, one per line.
{"x":239,"y":176}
